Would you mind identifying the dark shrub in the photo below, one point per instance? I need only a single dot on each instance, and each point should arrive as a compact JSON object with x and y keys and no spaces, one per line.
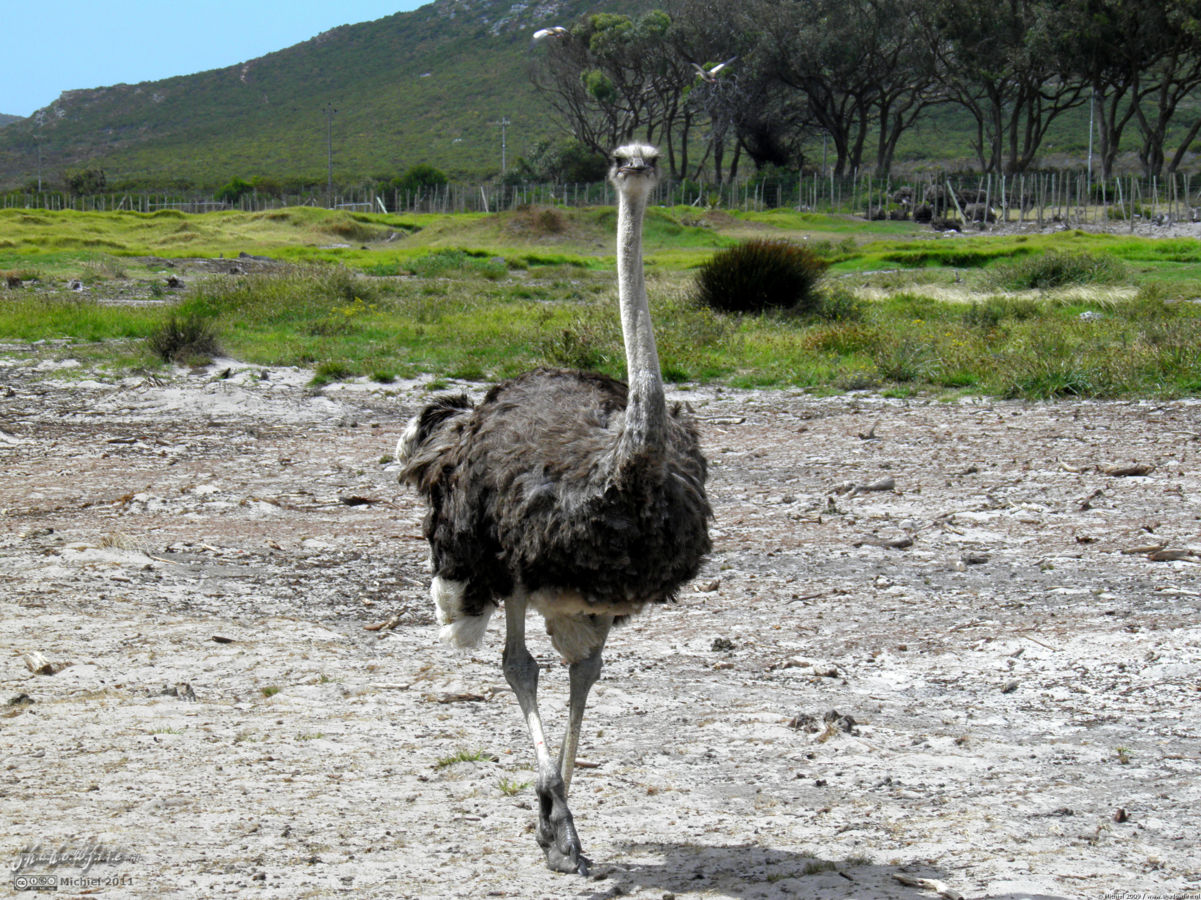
{"x":190,"y":338}
{"x":941,"y":223}
{"x":759,"y":275}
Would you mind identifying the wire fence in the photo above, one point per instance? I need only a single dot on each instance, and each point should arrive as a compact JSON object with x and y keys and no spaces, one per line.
{"x":1072,"y":198}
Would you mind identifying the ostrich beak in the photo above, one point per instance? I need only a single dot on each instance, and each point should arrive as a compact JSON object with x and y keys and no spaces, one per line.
{"x":635,"y":166}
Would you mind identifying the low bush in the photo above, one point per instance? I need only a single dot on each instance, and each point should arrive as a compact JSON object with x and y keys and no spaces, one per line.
{"x":1055,"y":269}
{"x":189,"y":338}
{"x":331,"y":370}
{"x":990,"y":313}
{"x":760,"y":275}
{"x":449,"y":263}
{"x":838,"y":305}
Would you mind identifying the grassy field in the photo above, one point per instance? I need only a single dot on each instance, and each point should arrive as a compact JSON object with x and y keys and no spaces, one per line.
{"x":486,"y":296}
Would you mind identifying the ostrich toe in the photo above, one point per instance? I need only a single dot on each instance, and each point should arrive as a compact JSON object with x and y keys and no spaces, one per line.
{"x":557,"y":835}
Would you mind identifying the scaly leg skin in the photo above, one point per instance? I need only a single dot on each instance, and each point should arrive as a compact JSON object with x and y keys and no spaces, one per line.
{"x":583,"y":675}
{"x":556,"y":830}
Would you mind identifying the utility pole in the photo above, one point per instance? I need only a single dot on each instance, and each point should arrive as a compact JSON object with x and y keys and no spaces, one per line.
{"x":1092,"y":106}
{"x":40,"y":121}
{"x":504,"y":124}
{"x":329,"y":153}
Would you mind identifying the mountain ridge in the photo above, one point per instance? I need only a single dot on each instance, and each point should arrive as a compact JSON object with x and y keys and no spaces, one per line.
{"x":425,"y":86}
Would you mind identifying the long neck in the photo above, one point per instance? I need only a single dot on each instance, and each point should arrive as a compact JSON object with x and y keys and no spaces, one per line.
{"x":646,"y":414}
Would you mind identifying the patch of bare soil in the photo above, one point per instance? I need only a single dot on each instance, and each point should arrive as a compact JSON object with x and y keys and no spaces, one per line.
{"x":939,"y":646}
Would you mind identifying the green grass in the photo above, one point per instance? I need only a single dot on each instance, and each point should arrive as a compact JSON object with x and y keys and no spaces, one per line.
{"x":999,"y":346}
{"x":900,"y":317}
{"x":463,"y":756}
{"x":511,"y":787}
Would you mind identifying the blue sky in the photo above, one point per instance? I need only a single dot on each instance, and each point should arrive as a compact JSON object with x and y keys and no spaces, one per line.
{"x":53,"y":46}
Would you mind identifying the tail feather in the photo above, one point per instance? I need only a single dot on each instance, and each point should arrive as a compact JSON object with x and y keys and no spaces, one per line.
{"x":459,"y":629}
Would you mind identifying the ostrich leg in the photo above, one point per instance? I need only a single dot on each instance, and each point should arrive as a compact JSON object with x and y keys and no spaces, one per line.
{"x":583,"y":675}
{"x":556,"y":828}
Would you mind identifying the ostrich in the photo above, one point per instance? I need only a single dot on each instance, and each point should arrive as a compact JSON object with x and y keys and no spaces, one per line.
{"x":570,"y":493}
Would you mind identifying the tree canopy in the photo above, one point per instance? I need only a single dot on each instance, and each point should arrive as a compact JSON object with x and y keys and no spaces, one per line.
{"x":861,"y":73}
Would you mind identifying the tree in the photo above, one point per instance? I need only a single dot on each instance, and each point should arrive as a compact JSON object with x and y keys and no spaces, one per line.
{"x":905,"y":74}
{"x":1104,"y":41}
{"x":611,"y":78}
{"x":234,"y":190}
{"x":859,"y":64}
{"x":267,"y":186}
{"x":561,"y":162}
{"x":86,"y":181}
{"x":743,"y":106}
{"x":998,"y":59}
{"x":771,"y":123}
{"x":418,"y":178}
{"x":1171,"y":77}
{"x":1140,"y":58}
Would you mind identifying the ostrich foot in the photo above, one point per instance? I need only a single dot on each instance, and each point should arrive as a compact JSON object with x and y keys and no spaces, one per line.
{"x":556,"y":832}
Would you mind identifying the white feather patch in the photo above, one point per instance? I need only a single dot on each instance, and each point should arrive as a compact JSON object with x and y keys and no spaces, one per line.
{"x":468,"y":631}
{"x":458,"y":629}
{"x":448,"y":599}
{"x":408,"y":440}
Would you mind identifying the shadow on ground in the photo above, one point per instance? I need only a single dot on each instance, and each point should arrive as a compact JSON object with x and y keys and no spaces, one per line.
{"x":749,"y":871}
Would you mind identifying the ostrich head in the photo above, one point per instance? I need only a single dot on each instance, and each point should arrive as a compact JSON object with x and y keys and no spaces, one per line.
{"x":634,"y":169}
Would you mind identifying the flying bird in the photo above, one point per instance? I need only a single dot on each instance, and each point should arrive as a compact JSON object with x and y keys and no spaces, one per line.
{"x":570,"y":493}
{"x":555,"y":31}
{"x":710,"y":75}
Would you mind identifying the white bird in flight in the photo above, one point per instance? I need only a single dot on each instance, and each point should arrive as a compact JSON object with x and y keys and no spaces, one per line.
{"x":710,"y":75}
{"x":556,"y":31}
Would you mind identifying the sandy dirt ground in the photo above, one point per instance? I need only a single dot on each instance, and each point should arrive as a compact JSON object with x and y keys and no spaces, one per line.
{"x":938,"y":647}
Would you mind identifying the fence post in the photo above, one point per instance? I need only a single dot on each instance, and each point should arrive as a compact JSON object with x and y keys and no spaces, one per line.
{"x":1133,"y":185}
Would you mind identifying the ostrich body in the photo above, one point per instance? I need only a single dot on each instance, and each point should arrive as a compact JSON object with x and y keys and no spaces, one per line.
{"x":568,"y":492}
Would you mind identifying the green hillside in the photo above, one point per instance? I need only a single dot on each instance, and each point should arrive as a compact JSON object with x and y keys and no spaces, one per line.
{"x":420,"y":87}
